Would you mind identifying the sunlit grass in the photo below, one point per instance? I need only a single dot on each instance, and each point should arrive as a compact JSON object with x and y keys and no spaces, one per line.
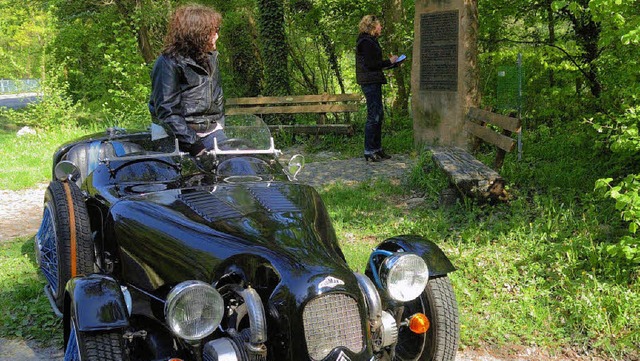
{"x":27,"y":160}
{"x":25,"y":309}
{"x":527,"y":274}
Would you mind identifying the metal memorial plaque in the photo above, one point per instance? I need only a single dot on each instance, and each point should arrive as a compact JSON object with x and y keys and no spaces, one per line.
{"x":439,"y":51}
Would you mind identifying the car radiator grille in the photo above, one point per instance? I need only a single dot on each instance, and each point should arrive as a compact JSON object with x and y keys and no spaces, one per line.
{"x":331,"y":321}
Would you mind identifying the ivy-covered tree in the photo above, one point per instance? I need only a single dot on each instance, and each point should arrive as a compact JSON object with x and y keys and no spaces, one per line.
{"x":274,"y":47}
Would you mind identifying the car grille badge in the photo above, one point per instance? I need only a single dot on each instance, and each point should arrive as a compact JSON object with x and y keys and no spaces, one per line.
{"x":330,"y":282}
{"x":342,"y":357}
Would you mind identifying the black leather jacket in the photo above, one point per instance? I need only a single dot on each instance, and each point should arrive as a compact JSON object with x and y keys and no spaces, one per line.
{"x":184,"y":93}
{"x":369,"y":61}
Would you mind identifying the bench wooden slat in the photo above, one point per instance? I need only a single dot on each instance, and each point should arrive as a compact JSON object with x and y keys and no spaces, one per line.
{"x":318,"y":129}
{"x":502,"y":121}
{"x":294,"y":99}
{"x":468,"y":174}
{"x":488,"y":135}
{"x":294,"y":109}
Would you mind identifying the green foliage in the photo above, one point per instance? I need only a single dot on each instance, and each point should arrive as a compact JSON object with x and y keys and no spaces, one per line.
{"x":127,"y":81}
{"x":26,"y":30}
{"x":626,"y":193}
{"x":54,"y":110}
{"x":103,"y":65}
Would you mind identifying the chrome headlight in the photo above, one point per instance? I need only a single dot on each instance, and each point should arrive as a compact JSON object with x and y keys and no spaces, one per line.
{"x":193,"y":310}
{"x":404,"y":275}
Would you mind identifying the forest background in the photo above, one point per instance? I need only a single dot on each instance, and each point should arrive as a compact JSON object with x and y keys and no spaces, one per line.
{"x":580,"y":61}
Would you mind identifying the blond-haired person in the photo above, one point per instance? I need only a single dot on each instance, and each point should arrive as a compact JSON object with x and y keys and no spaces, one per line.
{"x":369,"y":65}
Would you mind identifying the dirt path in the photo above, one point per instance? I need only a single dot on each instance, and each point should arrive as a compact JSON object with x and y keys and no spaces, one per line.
{"x":21,"y":213}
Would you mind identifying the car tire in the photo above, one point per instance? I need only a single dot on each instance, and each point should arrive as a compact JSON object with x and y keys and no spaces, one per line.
{"x":440,"y":342}
{"x":65,"y":246}
{"x":93,"y":346}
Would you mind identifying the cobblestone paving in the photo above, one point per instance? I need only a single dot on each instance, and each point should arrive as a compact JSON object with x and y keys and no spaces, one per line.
{"x":351,"y":171}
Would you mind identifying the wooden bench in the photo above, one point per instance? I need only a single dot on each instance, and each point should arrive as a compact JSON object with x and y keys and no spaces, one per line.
{"x":320,"y":104}
{"x":467,"y":174}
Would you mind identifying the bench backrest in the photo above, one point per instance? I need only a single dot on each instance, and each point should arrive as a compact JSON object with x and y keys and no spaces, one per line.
{"x":478,"y":119}
{"x":295,"y":104}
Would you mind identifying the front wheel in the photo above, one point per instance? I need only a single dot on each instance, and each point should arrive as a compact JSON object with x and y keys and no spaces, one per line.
{"x":93,"y":346}
{"x":63,"y":244}
{"x":440,"y":342}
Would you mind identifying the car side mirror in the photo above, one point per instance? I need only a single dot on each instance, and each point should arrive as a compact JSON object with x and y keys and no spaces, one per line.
{"x":66,"y":170}
{"x":296,"y":163}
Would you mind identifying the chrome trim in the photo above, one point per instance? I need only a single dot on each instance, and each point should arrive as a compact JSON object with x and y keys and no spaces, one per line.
{"x":389,"y":329}
{"x":372,"y":297}
{"x":52,"y":301}
{"x":257,"y":319}
{"x":217,"y":151}
{"x":221,"y":349}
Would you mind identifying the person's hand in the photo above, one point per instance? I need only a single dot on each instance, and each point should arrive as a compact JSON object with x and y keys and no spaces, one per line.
{"x":206,"y":162}
{"x":197,"y":149}
{"x":393,"y":58}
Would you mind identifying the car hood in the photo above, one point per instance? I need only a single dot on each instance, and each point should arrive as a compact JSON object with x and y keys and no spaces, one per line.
{"x":169,"y":236}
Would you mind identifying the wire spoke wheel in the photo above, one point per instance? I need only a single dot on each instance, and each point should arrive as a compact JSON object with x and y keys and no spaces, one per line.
{"x":64,"y":246}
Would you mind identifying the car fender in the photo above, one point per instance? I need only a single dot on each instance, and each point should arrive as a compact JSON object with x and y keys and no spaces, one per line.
{"x":98,"y":303}
{"x":437,"y":261}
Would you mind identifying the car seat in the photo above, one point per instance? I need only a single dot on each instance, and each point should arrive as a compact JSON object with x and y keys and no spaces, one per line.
{"x":87,"y":156}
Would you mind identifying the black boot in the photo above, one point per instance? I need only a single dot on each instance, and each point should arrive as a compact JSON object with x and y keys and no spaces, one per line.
{"x":382,"y":154}
{"x":372,"y":157}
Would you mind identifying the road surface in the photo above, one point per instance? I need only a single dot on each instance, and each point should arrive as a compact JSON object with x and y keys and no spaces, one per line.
{"x":17,"y":101}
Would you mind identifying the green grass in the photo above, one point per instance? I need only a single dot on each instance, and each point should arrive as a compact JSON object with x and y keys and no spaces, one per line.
{"x":25,"y":309}
{"x":27,"y":160}
{"x":527,"y":274}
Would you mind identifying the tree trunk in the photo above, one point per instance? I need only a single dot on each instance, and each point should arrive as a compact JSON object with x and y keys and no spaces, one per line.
{"x":126,"y":8}
{"x":394,"y":15}
{"x":274,"y":52}
{"x":244,"y":51}
{"x":551,"y":25}
{"x":330,"y":51}
{"x":587,"y":33}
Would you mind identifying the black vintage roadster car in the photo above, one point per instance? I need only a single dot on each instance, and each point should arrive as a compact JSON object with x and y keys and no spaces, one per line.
{"x":150,"y":254}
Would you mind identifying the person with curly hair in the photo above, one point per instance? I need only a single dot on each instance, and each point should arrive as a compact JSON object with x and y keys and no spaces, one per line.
{"x":369,"y":66}
{"x":186,"y":94}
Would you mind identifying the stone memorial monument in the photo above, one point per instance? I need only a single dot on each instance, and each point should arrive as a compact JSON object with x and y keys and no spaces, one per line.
{"x":444,"y":82}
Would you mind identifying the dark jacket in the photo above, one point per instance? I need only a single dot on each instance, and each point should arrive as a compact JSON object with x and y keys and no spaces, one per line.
{"x":369,"y":61}
{"x":184,"y":93}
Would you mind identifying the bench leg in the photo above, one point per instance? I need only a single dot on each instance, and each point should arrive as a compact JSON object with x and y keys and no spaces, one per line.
{"x":449,"y":196}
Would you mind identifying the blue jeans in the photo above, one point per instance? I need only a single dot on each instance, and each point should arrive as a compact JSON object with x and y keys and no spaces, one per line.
{"x":375,"y":116}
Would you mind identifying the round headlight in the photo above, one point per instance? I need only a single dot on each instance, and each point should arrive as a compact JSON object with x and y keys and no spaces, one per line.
{"x":193,"y":310}
{"x":404,"y":275}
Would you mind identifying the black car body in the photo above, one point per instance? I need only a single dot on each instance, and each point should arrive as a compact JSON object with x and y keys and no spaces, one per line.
{"x":151,"y":254}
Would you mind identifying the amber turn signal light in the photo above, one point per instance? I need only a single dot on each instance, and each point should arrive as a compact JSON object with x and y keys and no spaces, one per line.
{"x":419,"y":323}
